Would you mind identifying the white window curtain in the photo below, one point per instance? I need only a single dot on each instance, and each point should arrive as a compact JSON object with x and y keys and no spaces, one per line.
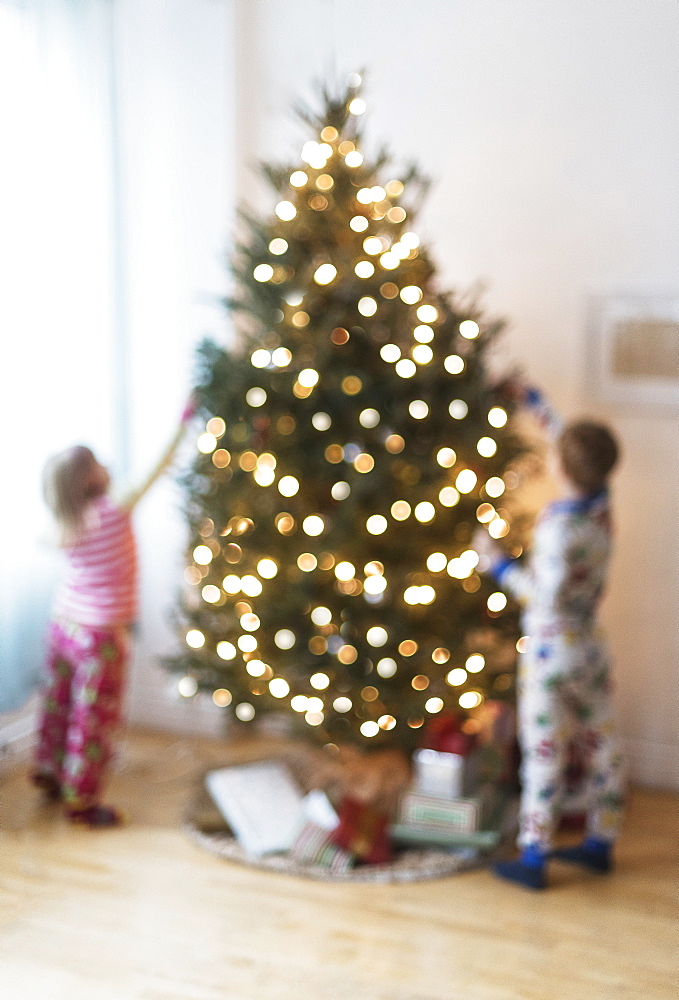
{"x":116,"y":201}
{"x":60,"y":355}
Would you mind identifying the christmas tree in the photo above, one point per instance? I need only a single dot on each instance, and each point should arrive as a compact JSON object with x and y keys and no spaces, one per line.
{"x":353,"y":442}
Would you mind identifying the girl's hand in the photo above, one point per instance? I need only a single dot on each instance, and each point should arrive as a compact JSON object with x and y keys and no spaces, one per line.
{"x":189,"y":409}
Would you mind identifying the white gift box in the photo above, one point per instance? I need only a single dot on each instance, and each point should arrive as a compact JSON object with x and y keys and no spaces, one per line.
{"x":439,"y":774}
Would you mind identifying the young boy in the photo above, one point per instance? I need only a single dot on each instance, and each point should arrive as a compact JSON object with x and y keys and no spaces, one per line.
{"x":564,"y":686}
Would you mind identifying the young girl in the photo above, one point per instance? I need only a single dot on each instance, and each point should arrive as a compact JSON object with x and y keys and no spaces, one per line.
{"x":88,"y":638}
{"x":564,"y":682}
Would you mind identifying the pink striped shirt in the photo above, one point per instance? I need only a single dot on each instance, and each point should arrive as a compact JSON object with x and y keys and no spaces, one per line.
{"x":100,"y":585}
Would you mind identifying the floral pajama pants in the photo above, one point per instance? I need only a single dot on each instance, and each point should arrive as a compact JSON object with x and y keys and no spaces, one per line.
{"x":564,"y":697}
{"x":85,"y":672}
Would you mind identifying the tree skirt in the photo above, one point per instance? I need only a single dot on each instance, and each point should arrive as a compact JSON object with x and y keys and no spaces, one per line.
{"x":206,"y":827}
{"x":409,"y":865}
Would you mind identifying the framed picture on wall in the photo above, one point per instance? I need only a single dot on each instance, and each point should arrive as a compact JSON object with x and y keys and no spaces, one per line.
{"x":634,"y":349}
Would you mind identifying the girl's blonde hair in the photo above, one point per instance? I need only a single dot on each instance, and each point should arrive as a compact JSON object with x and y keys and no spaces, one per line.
{"x":68,"y":490}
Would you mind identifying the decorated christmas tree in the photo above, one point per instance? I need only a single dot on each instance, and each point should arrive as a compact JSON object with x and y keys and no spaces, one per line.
{"x":353,"y":442}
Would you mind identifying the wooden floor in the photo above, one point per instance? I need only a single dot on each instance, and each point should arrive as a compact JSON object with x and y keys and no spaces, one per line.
{"x":142,"y":914}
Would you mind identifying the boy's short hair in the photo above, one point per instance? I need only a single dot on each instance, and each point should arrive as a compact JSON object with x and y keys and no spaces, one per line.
{"x":588,"y":453}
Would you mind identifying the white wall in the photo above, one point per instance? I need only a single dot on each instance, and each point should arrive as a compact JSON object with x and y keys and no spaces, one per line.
{"x":550,"y":130}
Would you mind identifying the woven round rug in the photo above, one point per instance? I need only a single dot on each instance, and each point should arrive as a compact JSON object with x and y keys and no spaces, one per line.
{"x":408,"y":865}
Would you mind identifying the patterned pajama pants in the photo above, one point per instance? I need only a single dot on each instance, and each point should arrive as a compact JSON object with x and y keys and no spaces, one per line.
{"x":85,"y":672}
{"x":564,"y":697}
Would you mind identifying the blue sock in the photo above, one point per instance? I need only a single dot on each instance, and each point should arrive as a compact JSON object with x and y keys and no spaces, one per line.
{"x":593,"y":853}
{"x":528,"y":870}
{"x":534,"y":856}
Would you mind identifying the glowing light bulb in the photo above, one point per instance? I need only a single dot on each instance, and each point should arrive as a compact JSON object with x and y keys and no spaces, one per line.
{"x":267,"y":568}
{"x":321,"y":616}
{"x":285,"y":211}
{"x":411,"y":240}
{"x":187,"y":687}
{"x":449,"y":497}
{"x":497,"y":601}
{"x":221,"y":697}
{"x":325,"y":274}
{"x":475,"y":663}
{"x":376,"y":524}
{"x":357,"y":106}
{"x":411,"y":595}
{"x":433,"y":705}
{"x":423,"y":333}
{"x":456,"y":676}
{"x":202,"y":555}
{"x":377,"y":636}
{"x":375,"y":585}
{"x":364,"y":196}
{"x":367,"y":306}
{"x":251,"y":586}
{"x":345,"y":571}
{"x":359,"y":224}
{"x":406,"y":368}
{"x":248,"y":644}
{"x":486,"y":447}
{"x":245,"y":712}
{"x":400,"y":510}
{"x":195,"y":638}
{"x":206,"y":443}
{"x":446,"y":458}
{"x":425,"y":512}
{"x":263,"y":272}
{"x":298,"y":178}
{"x":279,"y":687}
{"x":485,"y":512}
{"x":390,"y":353}
{"x":470,"y":699}
{"x":437,"y":562}
{"x":308,"y":377}
{"x":226,"y":650}
{"x":278,"y":246}
{"x":498,"y":528}
{"x":466,"y":481}
{"x":353,"y":158}
{"x":387,"y":667}
{"x":342,"y":705}
{"x":264,"y":476}
{"x":427,"y":313}
{"x":319,"y":681}
{"x":260,"y":358}
{"x":373,"y":245}
{"x":364,"y":269}
{"x":255,"y":397}
{"x":458,"y":409}
{"x":469,"y":329}
{"x":495,"y":487}
{"x":340,"y":490}
{"x":369,"y":418}
{"x":389,"y":261}
{"x":313,"y":525}
{"x":454,"y":364}
{"x":321,"y":421}
{"x":281,"y":357}
{"x":410,"y":294}
{"x":369,"y":729}
{"x":422,"y":354}
{"x":284,"y":638}
{"x":299,"y":703}
{"x":497,"y":417}
{"x":418,"y":409}
{"x":211,"y":594}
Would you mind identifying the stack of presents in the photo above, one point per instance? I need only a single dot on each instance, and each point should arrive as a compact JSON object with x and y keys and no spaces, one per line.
{"x":462,"y":790}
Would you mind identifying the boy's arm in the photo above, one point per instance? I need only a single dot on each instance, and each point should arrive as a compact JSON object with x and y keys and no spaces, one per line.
{"x":543,"y":579}
{"x":130,"y":501}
